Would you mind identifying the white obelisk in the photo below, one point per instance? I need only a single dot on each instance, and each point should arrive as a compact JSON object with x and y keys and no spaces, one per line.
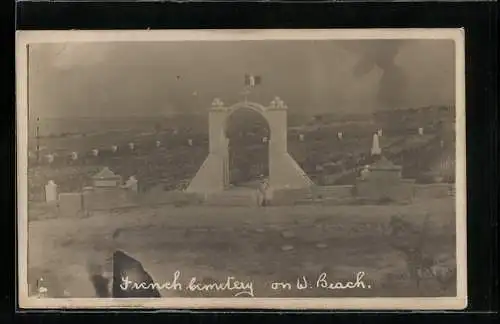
{"x":376,"y":145}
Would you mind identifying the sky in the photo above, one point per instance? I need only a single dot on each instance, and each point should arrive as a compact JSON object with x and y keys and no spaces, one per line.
{"x":159,"y":78}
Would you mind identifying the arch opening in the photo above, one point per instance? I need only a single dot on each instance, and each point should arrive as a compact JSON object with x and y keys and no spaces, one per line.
{"x":248,"y":132}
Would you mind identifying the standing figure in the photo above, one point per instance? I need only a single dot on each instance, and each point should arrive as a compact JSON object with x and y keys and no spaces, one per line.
{"x":263,"y":191}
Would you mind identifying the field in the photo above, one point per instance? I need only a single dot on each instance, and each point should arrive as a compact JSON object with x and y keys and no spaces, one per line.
{"x":261,"y":245}
{"x":325,"y":158}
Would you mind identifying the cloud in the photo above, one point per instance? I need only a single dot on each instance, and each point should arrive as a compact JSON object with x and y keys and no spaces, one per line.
{"x":108,"y":79}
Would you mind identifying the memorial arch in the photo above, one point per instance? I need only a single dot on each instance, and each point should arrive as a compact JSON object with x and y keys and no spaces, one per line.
{"x":284,"y":172}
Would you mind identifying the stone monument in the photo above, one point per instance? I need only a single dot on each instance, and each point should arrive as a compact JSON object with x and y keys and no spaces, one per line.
{"x":376,"y":150}
{"x":106,"y":179}
{"x":284,"y":172}
{"x":383,"y":182}
{"x":106,"y":192}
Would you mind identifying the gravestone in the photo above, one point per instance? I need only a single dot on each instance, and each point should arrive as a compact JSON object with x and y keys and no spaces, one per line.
{"x":190,"y":142}
{"x":74,"y":156}
{"x":132,"y":184}
{"x":51,"y":192}
{"x":365,"y":172}
{"x":379,"y":133}
{"x":131,"y":146}
{"x":340,"y":135}
{"x":158,"y":143}
{"x":95,"y":152}
{"x":301,"y":137}
{"x":107,"y":192}
{"x":420,"y":131}
{"x":114,"y":148}
{"x":50,"y":158}
{"x":106,"y":179}
{"x":384,"y":182}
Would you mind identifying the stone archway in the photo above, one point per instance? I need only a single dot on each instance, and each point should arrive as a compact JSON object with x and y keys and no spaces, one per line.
{"x":248,"y":133}
{"x":284,"y":172}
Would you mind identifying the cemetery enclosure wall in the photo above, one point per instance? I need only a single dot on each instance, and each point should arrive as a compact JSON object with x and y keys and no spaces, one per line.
{"x":430,"y":191}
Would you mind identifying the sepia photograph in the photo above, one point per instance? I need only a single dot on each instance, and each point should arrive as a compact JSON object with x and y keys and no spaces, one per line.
{"x":241,"y":169}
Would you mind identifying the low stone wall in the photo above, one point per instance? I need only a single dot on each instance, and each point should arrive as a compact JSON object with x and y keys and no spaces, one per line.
{"x":104,"y":199}
{"x":81,"y":204}
{"x":333,"y":192}
{"x":227,"y":199}
{"x":437,"y":190}
{"x":170,"y":197}
{"x":284,"y":197}
{"x":389,"y":191}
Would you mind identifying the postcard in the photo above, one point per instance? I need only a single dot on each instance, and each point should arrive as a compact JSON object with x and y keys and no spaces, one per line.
{"x":242,"y":169}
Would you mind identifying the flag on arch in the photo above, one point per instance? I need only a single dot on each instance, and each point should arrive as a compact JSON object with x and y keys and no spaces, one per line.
{"x":252,"y":80}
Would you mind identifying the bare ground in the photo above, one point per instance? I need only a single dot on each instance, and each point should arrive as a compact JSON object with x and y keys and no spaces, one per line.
{"x":262,"y":245}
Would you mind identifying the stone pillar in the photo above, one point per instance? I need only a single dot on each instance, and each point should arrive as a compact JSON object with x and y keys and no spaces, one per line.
{"x":212,"y":174}
{"x":284,"y":172}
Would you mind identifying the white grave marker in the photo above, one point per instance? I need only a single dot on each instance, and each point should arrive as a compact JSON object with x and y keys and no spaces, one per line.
{"x":301,"y":137}
{"x":50,"y":192}
{"x":95,"y":152}
{"x":158,"y":143}
{"x":379,"y":133}
{"x":190,"y":142}
{"x":132,"y":184}
{"x":131,"y":146}
{"x":50,"y":158}
{"x":420,"y":131}
{"x":340,"y":135}
{"x":114,"y":148}
{"x":365,"y":171}
{"x":264,"y":139}
{"x":74,"y":156}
